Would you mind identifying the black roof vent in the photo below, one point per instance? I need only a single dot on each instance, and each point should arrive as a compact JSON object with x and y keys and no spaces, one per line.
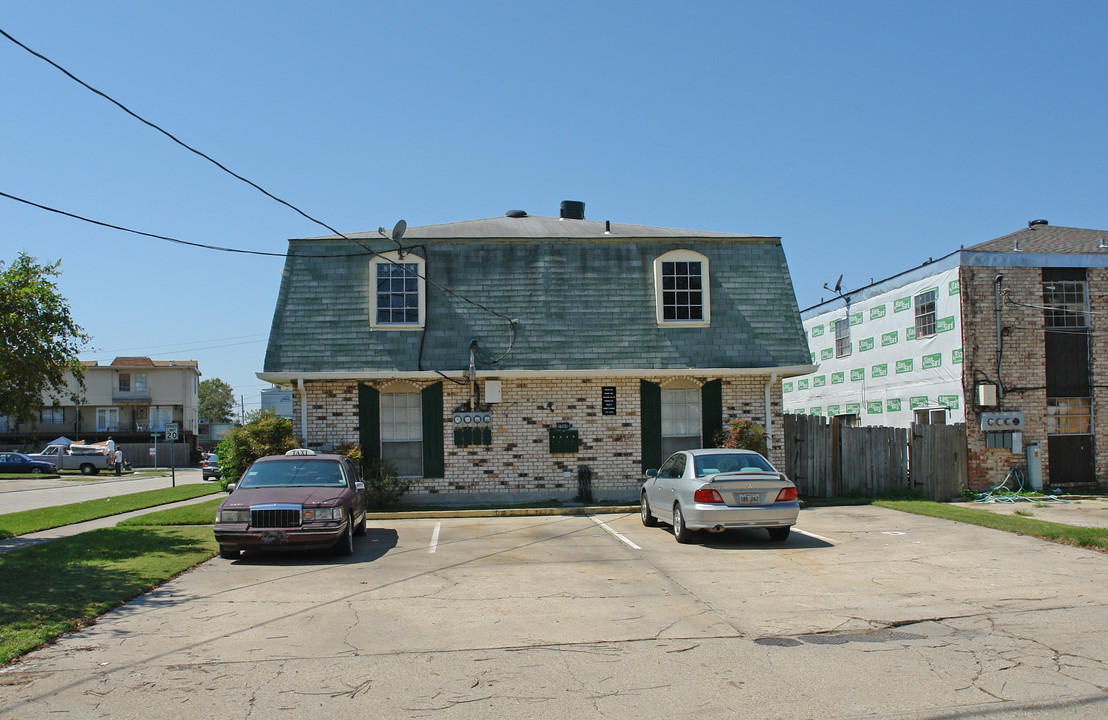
{"x":1033,"y":223}
{"x":516,"y":213}
{"x":572,"y":210}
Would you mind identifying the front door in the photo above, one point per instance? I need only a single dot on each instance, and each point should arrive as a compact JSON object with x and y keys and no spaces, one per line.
{"x":1071,"y":459}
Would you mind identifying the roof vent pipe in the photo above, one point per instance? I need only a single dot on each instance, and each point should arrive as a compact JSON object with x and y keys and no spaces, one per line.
{"x":1033,"y":223}
{"x":572,"y":210}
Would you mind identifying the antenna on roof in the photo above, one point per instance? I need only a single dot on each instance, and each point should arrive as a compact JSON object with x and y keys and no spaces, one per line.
{"x":837,"y":289}
{"x":397,"y":232}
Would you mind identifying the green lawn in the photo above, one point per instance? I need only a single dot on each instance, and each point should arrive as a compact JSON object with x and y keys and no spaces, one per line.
{"x":1093,"y":538}
{"x":28,"y":521}
{"x":62,"y":585}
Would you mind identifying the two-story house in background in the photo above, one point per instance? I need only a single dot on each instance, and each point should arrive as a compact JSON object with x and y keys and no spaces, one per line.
{"x":529,"y":357}
{"x":1006,"y":336}
{"x":129,"y":399}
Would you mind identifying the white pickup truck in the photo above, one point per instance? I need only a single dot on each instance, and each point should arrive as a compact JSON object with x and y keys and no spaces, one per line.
{"x":89,"y":459}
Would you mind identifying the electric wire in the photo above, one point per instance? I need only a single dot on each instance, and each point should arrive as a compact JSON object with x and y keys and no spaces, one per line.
{"x":511,"y":323}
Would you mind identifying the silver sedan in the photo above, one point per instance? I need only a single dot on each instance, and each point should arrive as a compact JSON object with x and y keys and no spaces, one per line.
{"x":716,"y":490}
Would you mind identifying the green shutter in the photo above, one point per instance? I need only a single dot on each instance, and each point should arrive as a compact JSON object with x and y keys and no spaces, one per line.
{"x":711,"y":411}
{"x":650,"y":415}
{"x":369,"y":424}
{"x":434,"y":453}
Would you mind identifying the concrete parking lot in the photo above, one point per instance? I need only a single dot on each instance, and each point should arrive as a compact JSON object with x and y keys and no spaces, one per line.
{"x":867,"y":613}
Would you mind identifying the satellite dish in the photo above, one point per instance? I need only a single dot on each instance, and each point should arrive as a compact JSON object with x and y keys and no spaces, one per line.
{"x":838,"y":283}
{"x":398,"y":230}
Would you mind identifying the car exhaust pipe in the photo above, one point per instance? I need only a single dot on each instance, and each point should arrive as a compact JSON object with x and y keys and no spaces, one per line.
{"x":716,"y":529}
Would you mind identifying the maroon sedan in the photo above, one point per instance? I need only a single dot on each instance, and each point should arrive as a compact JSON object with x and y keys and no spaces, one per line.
{"x":299,"y":500}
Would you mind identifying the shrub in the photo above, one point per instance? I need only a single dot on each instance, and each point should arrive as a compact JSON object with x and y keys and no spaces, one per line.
{"x":382,"y":486}
{"x":742,"y":434}
{"x":265,"y":434}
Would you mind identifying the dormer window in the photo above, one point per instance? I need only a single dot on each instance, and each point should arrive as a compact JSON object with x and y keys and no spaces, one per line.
{"x":397,"y":297}
{"x":682,"y":296}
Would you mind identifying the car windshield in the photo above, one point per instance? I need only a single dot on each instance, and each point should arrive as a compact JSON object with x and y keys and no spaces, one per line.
{"x":731,"y":462}
{"x":294,"y":473}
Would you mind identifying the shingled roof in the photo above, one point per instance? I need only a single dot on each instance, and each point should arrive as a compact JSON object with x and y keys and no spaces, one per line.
{"x":1048,"y":239}
{"x":581,"y":291}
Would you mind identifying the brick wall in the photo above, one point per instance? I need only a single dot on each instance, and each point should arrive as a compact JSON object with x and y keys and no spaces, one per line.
{"x":519,"y":464}
{"x":1098,"y":354}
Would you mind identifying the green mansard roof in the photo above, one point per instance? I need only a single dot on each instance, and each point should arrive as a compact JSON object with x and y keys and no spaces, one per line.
{"x":582,"y":293}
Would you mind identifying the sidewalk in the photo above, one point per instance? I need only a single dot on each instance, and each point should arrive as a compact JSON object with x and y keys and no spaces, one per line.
{"x":22,"y":541}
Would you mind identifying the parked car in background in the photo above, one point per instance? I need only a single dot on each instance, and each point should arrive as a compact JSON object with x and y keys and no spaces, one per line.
{"x":16,"y":462}
{"x":89,"y":459}
{"x":210,"y":467}
{"x":300,"y":500}
{"x":719,"y":489}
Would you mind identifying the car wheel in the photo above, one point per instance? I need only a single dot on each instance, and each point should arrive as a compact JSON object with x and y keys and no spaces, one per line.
{"x":345,"y":545}
{"x":36,"y":471}
{"x":361,"y":527}
{"x":779,"y":533}
{"x":680,"y":530}
{"x":87,"y":469}
{"x":644,"y":508}
{"x":228,"y":553}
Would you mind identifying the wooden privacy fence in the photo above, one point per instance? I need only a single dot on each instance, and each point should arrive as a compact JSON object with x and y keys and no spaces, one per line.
{"x":170,"y":454}
{"x":826,"y":459}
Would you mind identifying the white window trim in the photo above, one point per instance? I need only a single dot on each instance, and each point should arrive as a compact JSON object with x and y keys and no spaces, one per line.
{"x":394,"y":257}
{"x":705,"y":289}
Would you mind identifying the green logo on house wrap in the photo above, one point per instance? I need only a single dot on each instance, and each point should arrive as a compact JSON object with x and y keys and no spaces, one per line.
{"x":902,"y":304}
{"x":933,"y":360}
{"x":946,"y":324}
{"x":819,"y":381}
{"x":802,"y":384}
{"x":881,"y":370}
{"x":856,"y":318}
{"x":826,"y":354}
{"x":874,"y":407}
{"x":832,"y":410}
{"x":816,"y":411}
{"x":817,"y":330}
{"x":918,"y":402}
{"x":910,"y":333}
{"x":857,"y":374}
{"x":950,"y":401}
{"x":893,"y":405}
{"x":877,"y":312}
{"x":889,"y":338}
{"x":903,"y":366}
{"x":955,"y":287}
{"x":838,"y":378}
{"x":787,"y":387}
{"x":853,"y":408}
{"x":865,"y":344}
{"x":956,"y":356}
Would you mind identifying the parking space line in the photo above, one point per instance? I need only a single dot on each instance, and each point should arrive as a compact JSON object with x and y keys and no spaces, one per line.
{"x":813,"y":535}
{"x":612,"y":532}
{"x":435,"y":537}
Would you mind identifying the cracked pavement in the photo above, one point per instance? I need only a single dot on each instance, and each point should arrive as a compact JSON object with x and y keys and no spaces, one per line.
{"x":876,"y":614}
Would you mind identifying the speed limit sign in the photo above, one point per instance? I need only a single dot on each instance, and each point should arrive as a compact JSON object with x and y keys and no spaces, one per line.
{"x":171,"y":431}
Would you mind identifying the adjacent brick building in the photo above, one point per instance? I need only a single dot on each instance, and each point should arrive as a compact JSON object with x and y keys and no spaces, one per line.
{"x":1006,"y":336}
{"x":527,"y":357}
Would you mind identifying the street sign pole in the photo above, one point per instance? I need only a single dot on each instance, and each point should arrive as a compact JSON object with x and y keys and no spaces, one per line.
{"x":171,"y":436}
{"x":155,"y":436}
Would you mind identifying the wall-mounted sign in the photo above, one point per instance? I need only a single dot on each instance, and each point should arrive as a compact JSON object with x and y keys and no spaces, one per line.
{"x":608,"y":400}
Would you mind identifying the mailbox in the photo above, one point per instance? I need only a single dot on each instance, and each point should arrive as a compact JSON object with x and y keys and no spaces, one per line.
{"x":563,"y":439}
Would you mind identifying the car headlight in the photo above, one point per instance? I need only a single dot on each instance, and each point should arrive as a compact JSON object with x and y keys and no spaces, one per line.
{"x":232,"y":516}
{"x":321,"y":514}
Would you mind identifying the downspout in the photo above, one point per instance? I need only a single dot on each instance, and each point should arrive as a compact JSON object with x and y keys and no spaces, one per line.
{"x":769,"y":413}
{"x":999,"y":335}
{"x":303,"y":410}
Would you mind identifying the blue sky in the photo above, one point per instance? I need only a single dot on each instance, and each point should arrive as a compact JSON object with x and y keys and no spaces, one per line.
{"x":869,"y":136}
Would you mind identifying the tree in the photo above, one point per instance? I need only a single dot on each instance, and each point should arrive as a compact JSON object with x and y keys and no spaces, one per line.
{"x":743,"y":434}
{"x":39,"y":340}
{"x":264,"y":434}
{"x":217,"y":400}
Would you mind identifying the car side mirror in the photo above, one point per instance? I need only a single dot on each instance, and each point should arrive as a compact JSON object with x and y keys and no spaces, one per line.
{"x":231,"y":487}
{"x":651,"y":473}
{"x":359,"y":486}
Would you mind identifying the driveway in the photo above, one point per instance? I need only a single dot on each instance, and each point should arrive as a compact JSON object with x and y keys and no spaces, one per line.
{"x":868,"y":613}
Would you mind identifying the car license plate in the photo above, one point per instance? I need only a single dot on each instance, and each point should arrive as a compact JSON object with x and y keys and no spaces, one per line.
{"x":272,"y":537}
{"x":749,"y":498}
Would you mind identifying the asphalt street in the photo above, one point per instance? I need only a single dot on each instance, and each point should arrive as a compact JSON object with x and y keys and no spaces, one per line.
{"x":31,"y":493}
{"x":866,"y":613}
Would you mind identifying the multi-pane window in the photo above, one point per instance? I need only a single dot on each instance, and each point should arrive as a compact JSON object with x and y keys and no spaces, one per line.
{"x":925,"y":313}
{"x":140,"y":382}
{"x":51,"y":415}
{"x":1069,"y":416}
{"x":402,"y":432}
{"x":842,"y":338}
{"x":1066,"y":303}
{"x":682,"y":291}
{"x":397,"y":293}
{"x":930,"y":417}
{"x":681,"y":288}
{"x":680,"y":419}
{"x":124,"y":382}
{"x":159,"y":416}
{"x":107,"y":419}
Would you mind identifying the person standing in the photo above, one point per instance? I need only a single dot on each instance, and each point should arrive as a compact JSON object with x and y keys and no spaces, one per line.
{"x":111,"y":447}
{"x":118,"y":461}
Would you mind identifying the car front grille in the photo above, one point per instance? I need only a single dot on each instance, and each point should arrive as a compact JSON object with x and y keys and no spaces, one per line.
{"x":275,"y":516}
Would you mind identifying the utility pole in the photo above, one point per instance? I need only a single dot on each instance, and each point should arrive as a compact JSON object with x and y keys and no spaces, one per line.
{"x":242,"y":409}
